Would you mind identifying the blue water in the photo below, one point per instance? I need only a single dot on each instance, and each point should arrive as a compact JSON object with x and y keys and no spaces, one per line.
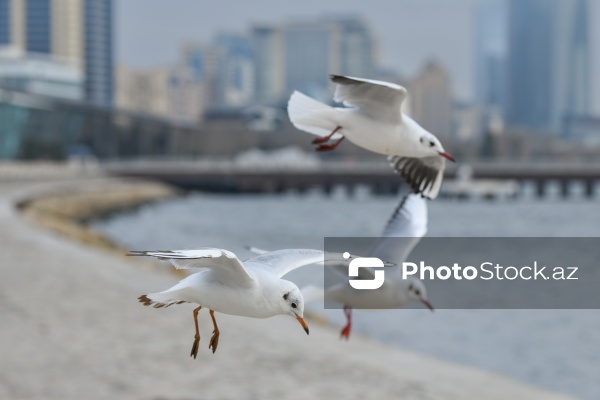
{"x":554,"y":349}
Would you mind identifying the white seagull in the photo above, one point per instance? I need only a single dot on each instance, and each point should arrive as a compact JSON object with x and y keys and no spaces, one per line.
{"x":373,"y":120}
{"x":252,"y":288}
{"x":407,"y":225}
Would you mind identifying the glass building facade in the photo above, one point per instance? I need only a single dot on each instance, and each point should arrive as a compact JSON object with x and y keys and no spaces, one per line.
{"x":33,"y":127}
{"x":4,"y":22}
{"x":98,"y":26}
{"x":548,"y":63}
{"x":38,"y":22}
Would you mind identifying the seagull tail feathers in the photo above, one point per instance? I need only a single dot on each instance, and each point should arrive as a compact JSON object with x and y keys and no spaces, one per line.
{"x":312,"y":116}
{"x":312,"y":293}
{"x":159,"y":300}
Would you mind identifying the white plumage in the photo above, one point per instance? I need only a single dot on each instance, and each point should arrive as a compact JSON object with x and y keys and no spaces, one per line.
{"x":374,"y":121}
{"x":252,"y":288}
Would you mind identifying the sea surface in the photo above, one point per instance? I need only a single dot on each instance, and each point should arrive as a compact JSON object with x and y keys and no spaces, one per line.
{"x":558,"y":350}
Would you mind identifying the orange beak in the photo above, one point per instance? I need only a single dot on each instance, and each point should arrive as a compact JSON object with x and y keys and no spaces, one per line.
{"x":303,"y":323}
{"x":446,"y":155}
{"x":428,"y":304}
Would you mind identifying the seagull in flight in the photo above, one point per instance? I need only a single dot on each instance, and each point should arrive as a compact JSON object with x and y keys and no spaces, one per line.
{"x":405,"y":228}
{"x":225,"y":284}
{"x":372,"y":119}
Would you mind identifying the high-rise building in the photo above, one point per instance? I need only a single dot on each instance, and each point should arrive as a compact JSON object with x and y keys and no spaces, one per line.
{"x":357,"y":48}
{"x":430,"y":98}
{"x":491,"y":43}
{"x":172,"y":93}
{"x":310,"y":55}
{"x":548,"y":65}
{"x":78,"y":31}
{"x":267,"y":44}
{"x":235,"y":76}
{"x":313,"y":50}
{"x":204,"y":60}
{"x":299,"y":55}
{"x":98,"y":50}
{"x":4,"y":22}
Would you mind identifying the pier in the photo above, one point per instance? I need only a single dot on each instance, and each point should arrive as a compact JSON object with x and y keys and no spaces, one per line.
{"x":225,"y":176}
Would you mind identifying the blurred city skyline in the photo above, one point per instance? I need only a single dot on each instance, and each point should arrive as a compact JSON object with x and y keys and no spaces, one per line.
{"x":395,"y":28}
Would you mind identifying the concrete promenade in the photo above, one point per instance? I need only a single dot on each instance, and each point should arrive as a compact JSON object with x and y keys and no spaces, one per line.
{"x":71,"y":328}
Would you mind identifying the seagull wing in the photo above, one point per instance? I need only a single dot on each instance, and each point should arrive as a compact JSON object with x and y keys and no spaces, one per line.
{"x":409,"y":219}
{"x":225,"y":264}
{"x":378,"y":99}
{"x":404,"y":230}
{"x":334,"y":261}
{"x":283,"y":261}
{"x":424,"y":175}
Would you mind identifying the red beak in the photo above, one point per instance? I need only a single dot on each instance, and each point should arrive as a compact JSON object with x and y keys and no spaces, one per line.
{"x":428,"y":304}
{"x":446,"y":155}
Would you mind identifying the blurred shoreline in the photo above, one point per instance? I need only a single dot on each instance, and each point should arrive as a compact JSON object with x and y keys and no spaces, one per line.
{"x":73,"y":325}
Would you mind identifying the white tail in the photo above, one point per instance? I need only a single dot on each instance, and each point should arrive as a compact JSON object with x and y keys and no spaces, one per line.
{"x":312,"y":293}
{"x":159,"y":300}
{"x":312,"y":116}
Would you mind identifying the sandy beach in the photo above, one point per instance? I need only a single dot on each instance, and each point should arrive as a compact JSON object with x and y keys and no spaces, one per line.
{"x":72,"y":328}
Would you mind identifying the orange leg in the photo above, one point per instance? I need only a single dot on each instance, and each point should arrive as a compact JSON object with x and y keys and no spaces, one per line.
{"x":197,"y":337}
{"x":214,"y":340}
{"x":345,"y":333}
{"x":329,"y":147}
{"x":324,"y":139}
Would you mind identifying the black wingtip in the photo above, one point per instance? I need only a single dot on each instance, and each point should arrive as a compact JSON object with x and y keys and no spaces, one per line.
{"x":341,"y":79}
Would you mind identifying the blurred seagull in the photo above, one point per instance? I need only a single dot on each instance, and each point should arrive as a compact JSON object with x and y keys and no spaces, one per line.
{"x":252,"y":288}
{"x":407,"y":225}
{"x":375,"y":122}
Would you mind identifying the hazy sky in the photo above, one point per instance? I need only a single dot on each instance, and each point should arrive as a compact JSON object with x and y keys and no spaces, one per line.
{"x":410,"y":32}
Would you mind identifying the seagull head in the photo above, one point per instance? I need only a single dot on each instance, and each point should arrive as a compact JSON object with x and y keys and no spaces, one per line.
{"x":431,"y":146}
{"x":417,"y":292}
{"x":292,"y":303}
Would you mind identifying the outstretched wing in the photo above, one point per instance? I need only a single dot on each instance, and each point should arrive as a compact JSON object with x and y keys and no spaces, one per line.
{"x":283,"y":261}
{"x":404,"y":230}
{"x":409,"y":219}
{"x":378,"y":99}
{"x":225,"y":264}
{"x":424,"y":175}
{"x":335,"y":261}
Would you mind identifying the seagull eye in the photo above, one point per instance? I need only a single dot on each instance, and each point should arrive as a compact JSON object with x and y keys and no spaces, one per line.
{"x":418,"y":292}
{"x":431,"y":144}
{"x":294,"y":305}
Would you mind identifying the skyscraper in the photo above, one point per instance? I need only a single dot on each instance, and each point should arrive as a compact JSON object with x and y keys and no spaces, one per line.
{"x":548,"y":66}
{"x":430,"y":100}
{"x":357,"y":48}
{"x":268,"y":50}
{"x":491,"y":42}
{"x":98,"y":50}
{"x":235,"y":77}
{"x":78,"y":31}
{"x":4,"y":22}
{"x":299,"y":55}
{"x":310,"y":55}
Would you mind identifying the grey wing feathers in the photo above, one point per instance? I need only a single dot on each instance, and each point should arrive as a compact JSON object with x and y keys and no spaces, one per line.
{"x":424,"y":175}
{"x":283,"y":261}
{"x":407,"y":225}
{"x":225,"y":264}
{"x":377,"y":98}
{"x":409,"y":219}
